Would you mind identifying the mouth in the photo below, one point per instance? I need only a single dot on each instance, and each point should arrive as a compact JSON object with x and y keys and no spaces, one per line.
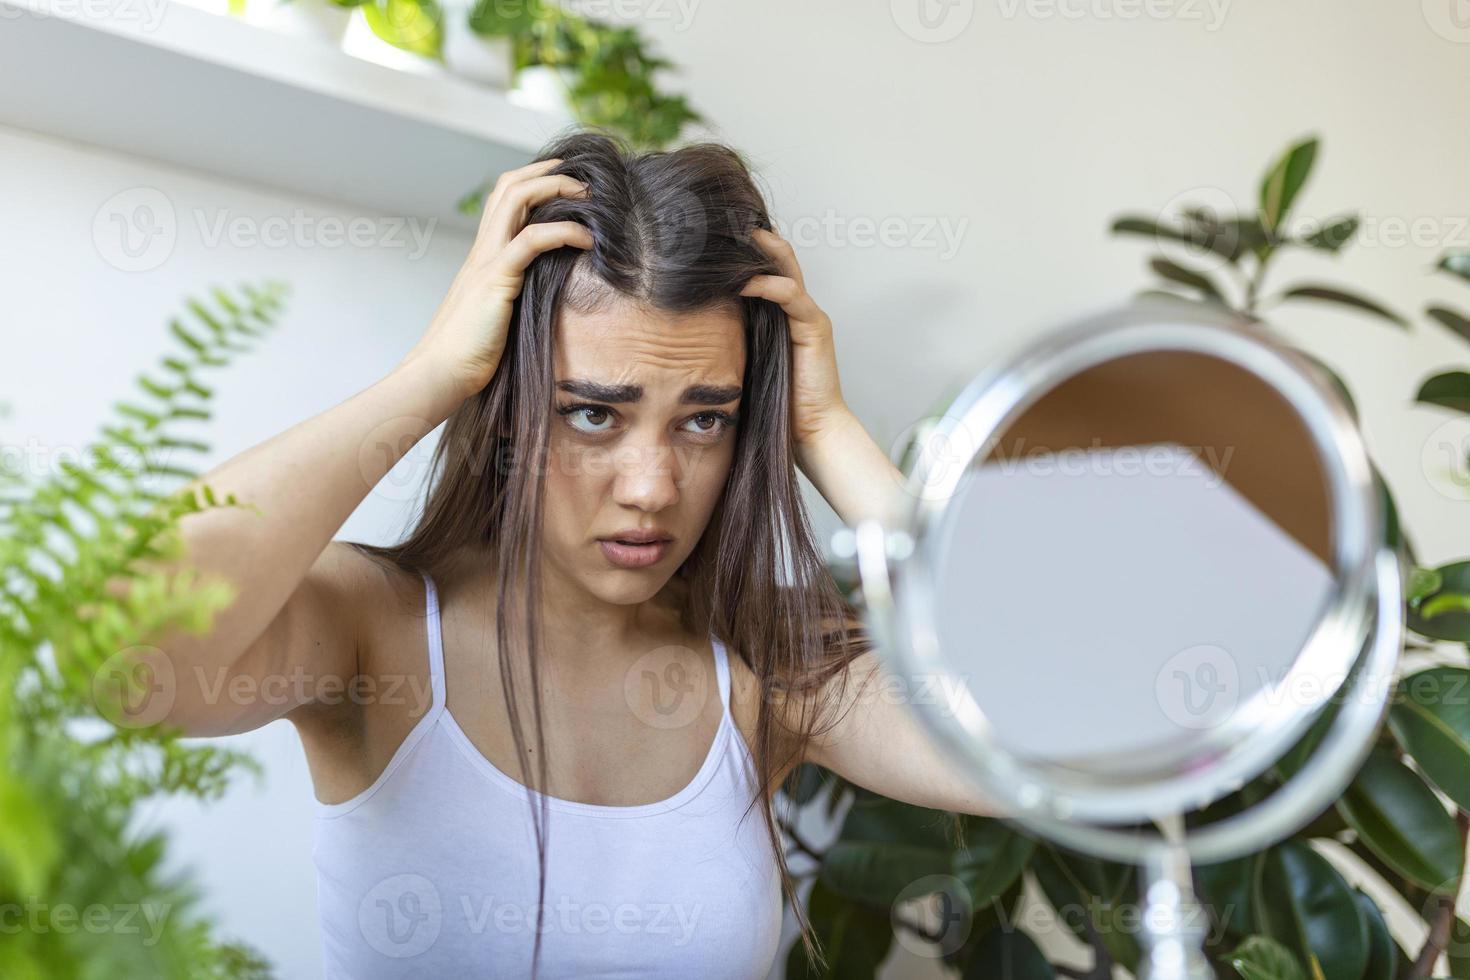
{"x":635,"y":550}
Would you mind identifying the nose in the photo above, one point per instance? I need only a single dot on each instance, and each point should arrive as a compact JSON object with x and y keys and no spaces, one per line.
{"x":645,"y":475}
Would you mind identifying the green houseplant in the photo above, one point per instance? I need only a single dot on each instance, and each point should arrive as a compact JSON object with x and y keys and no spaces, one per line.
{"x":604,"y":74}
{"x":1285,"y":913}
{"x":84,"y":893}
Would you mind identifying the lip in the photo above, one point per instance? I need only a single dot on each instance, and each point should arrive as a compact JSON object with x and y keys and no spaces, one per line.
{"x":634,"y":555}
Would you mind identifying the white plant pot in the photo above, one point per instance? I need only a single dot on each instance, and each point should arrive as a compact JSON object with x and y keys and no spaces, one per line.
{"x":486,"y":60}
{"x":544,"y":87}
{"x":316,"y":19}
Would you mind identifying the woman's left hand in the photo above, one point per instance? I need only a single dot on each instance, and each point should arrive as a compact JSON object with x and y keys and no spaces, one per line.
{"x":816,"y":393}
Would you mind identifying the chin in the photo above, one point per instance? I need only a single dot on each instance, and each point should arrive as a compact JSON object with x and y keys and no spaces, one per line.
{"x":625,"y":588}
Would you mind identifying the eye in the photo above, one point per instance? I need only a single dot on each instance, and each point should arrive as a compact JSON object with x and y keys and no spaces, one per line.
{"x":591,"y":419}
{"x":710,"y":424}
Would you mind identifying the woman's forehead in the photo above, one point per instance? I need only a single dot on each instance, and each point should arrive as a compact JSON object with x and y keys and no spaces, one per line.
{"x":624,"y":339}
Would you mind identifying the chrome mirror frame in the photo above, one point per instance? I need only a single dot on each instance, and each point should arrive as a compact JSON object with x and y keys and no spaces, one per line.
{"x":1221,"y":759}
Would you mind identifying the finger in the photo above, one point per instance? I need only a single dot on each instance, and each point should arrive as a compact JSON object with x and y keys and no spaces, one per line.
{"x":535,"y":239}
{"x":510,"y":214}
{"x":516,"y":176}
{"x":786,"y":293}
{"x":782,"y":252}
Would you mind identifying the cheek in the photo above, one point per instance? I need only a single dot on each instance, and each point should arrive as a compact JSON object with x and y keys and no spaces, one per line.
{"x":704,"y":473}
{"x":576,"y":480}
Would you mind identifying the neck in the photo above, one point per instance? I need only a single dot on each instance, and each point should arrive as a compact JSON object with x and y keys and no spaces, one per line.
{"x":578,"y":626}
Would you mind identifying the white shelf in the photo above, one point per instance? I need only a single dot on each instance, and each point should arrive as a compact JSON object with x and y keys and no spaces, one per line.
{"x":180,"y":85}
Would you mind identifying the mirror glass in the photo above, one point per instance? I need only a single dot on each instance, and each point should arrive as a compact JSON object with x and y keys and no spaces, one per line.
{"x":1137,"y":554}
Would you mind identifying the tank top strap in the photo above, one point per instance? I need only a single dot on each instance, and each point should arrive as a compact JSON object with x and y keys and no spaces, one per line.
{"x":722,"y":671}
{"x":435,"y":630}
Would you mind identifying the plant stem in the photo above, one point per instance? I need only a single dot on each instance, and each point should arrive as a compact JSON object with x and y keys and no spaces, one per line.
{"x":1441,"y":926}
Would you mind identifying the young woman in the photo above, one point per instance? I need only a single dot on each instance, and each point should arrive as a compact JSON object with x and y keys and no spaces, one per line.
{"x":611,"y":608}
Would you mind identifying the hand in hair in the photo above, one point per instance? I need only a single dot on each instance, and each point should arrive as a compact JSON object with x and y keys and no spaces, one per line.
{"x":832,"y":448}
{"x":468,"y":333}
{"x":816,"y":393}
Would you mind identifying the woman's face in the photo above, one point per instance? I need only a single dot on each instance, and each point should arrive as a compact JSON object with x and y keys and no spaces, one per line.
{"x":643,"y":414}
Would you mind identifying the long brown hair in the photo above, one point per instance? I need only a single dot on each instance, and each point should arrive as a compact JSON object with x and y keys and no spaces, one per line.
{"x":671,"y":230}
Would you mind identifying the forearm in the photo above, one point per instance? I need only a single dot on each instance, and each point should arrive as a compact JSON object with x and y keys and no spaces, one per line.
{"x":296,"y":490}
{"x":851,"y":471}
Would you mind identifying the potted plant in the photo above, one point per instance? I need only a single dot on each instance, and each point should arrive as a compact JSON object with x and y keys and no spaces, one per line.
{"x":479,"y":38}
{"x":548,"y":50}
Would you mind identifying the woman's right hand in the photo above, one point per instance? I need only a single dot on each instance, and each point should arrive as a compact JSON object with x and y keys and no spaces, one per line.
{"x":467,"y":335}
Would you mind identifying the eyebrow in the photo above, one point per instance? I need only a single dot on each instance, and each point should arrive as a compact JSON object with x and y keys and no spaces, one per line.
{"x":693,"y":395}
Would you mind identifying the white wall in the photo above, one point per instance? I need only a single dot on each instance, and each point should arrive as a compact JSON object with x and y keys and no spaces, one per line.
{"x":77,"y":329}
{"x":1023,"y":133}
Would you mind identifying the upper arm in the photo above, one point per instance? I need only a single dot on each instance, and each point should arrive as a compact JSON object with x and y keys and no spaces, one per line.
{"x":303,"y":662}
{"x":876,"y":740}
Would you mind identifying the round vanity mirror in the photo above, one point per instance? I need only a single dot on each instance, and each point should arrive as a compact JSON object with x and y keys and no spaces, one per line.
{"x":1146,"y":556}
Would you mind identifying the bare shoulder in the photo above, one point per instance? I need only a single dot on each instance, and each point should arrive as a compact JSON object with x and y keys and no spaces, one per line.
{"x":367,"y":597}
{"x":747,"y":692}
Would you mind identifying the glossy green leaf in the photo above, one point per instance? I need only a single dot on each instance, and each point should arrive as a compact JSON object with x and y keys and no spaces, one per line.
{"x":1399,"y":817}
{"x":1284,"y":181}
{"x":1332,"y":236}
{"x":1451,"y":321}
{"x":1226,"y":887}
{"x":992,"y":860}
{"x":1443,"y":603}
{"x":1422,"y":582}
{"x":1079,"y":886}
{"x":876,"y":873}
{"x":1448,"y":390}
{"x":1003,"y":913}
{"x":1458,"y":949}
{"x":854,"y":939}
{"x":413,"y":25}
{"x":1450,"y":625}
{"x":881,"y":820}
{"x":1383,"y":952}
{"x":497,"y":18}
{"x":1456,"y":262}
{"x":1007,"y":954}
{"x":1263,"y":958}
{"x":1431,"y":719}
{"x":1341,"y":297}
{"x":1301,"y":901}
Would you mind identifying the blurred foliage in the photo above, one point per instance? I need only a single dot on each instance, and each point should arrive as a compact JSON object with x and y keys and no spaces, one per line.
{"x":83,"y":892}
{"x":609,"y":71}
{"x":1284,"y":913}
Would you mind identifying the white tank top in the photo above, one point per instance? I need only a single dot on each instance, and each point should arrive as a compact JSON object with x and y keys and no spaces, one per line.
{"x":431,"y":871}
